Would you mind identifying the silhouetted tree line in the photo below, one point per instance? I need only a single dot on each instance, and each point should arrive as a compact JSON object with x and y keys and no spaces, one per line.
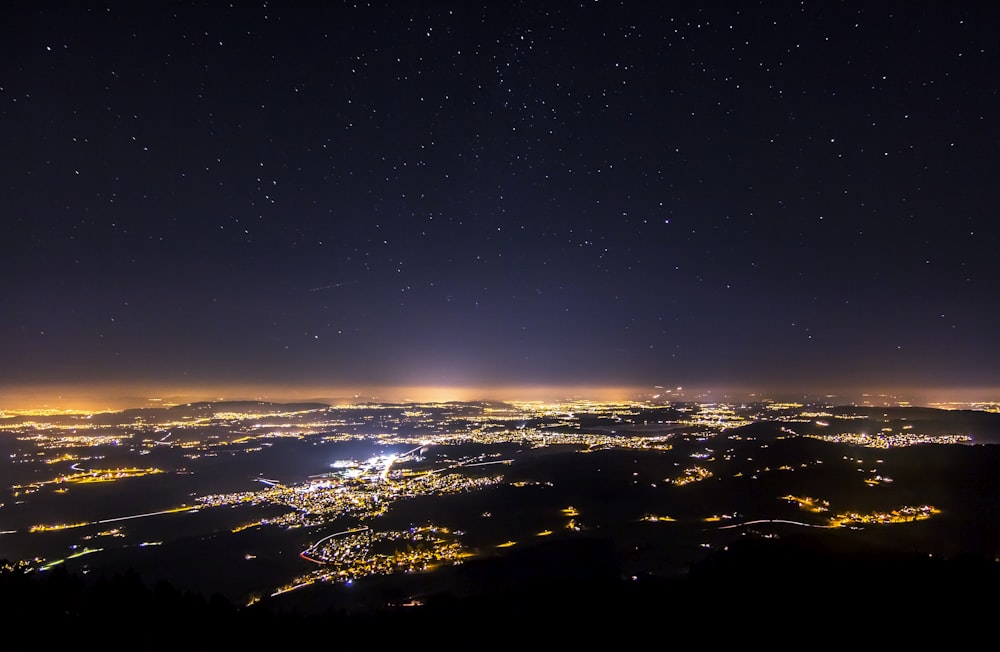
{"x":756,"y":588}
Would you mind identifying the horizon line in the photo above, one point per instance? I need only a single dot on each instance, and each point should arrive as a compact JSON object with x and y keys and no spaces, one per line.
{"x":117,"y":396}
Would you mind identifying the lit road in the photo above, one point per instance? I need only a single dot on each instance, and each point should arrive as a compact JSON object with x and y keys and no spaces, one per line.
{"x":393,"y":458}
{"x":174,"y":510}
{"x":773,"y":520}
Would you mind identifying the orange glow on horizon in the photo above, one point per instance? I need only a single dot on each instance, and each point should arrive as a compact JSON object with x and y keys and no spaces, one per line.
{"x":99,"y":397}
{"x":113,"y":396}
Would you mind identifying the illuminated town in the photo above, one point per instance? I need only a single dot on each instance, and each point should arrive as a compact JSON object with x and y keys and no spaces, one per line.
{"x":377,"y":490}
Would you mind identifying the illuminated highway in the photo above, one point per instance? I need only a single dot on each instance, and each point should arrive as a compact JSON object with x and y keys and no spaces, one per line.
{"x":772,"y":520}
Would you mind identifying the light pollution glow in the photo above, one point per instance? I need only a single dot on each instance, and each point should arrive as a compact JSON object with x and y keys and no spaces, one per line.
{"x":114,"y":396}
{"x":110,"y":397}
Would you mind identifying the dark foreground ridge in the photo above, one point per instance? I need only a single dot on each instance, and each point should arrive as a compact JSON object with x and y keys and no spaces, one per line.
{"x":755,"y":588}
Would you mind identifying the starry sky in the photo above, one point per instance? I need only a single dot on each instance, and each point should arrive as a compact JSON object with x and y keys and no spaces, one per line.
{"x":772,"y":194}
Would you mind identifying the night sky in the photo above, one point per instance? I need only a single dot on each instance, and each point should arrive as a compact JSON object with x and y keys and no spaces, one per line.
{"x":773,"y":195}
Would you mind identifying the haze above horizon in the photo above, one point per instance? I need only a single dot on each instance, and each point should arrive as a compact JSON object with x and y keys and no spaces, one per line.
{"x":107,"y":397}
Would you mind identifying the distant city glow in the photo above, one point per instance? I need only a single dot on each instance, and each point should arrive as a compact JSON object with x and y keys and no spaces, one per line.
{"x":85,"y":399}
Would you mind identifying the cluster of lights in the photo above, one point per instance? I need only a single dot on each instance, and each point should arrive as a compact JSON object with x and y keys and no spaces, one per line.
{"x":904,"y":514}
{"x":886,"y":440}
{"x":365,"y":490}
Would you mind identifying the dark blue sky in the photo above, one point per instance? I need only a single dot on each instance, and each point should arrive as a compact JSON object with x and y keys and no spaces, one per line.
{"x":758,"y":194}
